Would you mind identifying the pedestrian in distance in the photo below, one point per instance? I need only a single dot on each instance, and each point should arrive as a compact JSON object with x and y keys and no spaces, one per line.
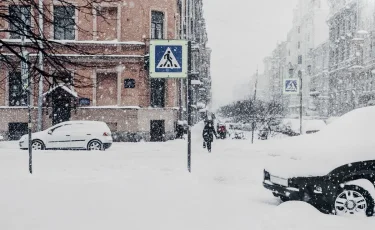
{"x":208,"y":135}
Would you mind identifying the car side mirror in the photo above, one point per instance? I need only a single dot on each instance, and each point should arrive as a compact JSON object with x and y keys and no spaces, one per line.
{"x":50,"y":132}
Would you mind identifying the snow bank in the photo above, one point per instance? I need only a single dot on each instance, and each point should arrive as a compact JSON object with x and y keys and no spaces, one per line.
{"x":346,"y":140}
{"x":303,"y":216}
{"x":307,"y":125}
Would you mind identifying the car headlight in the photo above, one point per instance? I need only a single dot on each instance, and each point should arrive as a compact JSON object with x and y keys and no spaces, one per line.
{"x":318,"y":190}
{"x":267,"y":175}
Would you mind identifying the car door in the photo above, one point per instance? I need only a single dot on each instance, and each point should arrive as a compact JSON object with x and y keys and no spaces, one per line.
{"x":79,"y":135}
{"x":59,"y":137}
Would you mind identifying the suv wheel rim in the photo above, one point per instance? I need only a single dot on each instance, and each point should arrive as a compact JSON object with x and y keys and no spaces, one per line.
{"x":36,"y":146}
{"x":95,"y":145}
{"x":350,"y":202}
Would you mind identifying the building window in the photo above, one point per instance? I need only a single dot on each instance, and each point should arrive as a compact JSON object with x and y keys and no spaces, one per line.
{"x":300,"y":59}
{"x":129,"y":83}
{"x":106,"y":91}
{"x":299,"y":45}
{"x":157,"y":93}
{"x":299,"y":29}
{"x":107,"y":23}
{"x":20,"y":20}
{"x":157,"y":25}
{"x":64,"y":22}
{"x":17,"y":96}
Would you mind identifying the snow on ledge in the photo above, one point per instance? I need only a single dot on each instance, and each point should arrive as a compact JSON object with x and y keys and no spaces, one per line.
{"x":110,"y":107}
{"x":113,"y":42}
{"x":67,"y":89}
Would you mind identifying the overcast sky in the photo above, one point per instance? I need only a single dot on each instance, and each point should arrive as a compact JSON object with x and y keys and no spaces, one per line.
{"x":241,"y":33}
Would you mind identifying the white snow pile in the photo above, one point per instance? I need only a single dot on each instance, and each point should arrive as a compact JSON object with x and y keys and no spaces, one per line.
{"x":296,"y":215}
{"x":347,"y":140}
{"x":307,"y":125}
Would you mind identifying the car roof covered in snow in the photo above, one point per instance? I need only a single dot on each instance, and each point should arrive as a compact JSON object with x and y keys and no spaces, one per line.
{"x":346,"y":140}
{"x":83,"y":122}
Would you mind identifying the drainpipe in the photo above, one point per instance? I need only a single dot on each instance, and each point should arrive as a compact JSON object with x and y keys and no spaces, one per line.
{"x":41,"y":67}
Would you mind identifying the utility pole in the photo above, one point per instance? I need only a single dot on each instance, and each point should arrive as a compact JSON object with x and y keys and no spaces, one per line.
{"x":182,"y":36}
{"x":26,"y":85}
{"x":255,"y":97}
{"x":41,"y":67}
{"x":301,"y":104}
{"x":189,"y":98}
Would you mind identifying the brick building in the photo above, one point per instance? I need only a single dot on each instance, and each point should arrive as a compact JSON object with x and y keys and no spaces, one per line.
{"x":118,"y":90}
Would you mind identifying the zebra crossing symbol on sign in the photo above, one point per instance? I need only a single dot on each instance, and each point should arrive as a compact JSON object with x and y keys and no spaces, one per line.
{"x":168,"y":61}
{"x":291,"y":86}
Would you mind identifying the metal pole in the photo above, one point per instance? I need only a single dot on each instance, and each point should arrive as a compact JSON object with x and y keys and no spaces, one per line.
{"x":255,"y":97}
{"x":301,"y":108}
{"x":26,"y":75}
{"x":41,"y":67}
{"x":29,"y":125}
{"x":189,"y":98}
{"x":182,"y":36}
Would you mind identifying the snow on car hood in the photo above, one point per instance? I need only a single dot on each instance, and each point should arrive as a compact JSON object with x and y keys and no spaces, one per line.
{"x":347,"y":140}
{"x":37,"y":135}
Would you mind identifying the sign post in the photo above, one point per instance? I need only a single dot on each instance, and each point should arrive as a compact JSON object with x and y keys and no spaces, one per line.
{"x":189,"y":107}
{"x":293,"y":86}
{"x":172,"y":59}
{"x":26,"y":86}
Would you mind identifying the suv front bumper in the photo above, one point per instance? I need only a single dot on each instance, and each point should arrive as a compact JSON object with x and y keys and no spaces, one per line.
{"x":279,"y":190}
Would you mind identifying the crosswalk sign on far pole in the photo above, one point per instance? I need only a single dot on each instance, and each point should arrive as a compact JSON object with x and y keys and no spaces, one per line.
{"x":291,"y":86}
{"x":168,"y":59}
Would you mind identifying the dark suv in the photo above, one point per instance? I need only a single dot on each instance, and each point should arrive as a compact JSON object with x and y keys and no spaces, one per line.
{"x":334,"y":169}
{"x":338,"y":192}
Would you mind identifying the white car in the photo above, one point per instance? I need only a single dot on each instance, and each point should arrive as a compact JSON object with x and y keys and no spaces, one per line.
{"x":90,"y":135}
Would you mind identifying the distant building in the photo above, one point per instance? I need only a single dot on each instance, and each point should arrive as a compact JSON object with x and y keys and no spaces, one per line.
{"x":318,"y":60}
{"x":308,"y":32}
{"x":193,"y":28}
{"x":351,"y":55}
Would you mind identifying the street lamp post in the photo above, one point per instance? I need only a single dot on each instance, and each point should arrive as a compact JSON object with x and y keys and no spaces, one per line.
{"x":26,"y":85}
{"x":301,"y":102}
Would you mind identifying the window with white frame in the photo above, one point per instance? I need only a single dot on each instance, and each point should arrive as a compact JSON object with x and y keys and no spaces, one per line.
{"x":64,"y":22}
{"x":157,"y":25}
{"x":19,"y":21}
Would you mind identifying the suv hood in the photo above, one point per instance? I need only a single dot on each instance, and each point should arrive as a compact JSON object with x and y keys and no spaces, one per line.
{"x":317,"y":154}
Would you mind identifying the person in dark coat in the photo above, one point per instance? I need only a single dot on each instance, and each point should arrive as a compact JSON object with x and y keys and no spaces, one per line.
{"x":208,"y":135}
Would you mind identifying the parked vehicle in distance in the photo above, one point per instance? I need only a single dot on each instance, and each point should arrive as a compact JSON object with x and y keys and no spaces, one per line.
{"x":90,"y":135}
{"x":263,"y":134}
{"x":222,"y":130}
{"x":332,"y":169}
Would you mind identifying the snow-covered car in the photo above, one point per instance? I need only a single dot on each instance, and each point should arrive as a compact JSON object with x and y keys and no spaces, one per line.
{"x":334,"y":169}
{"x":90,"y":135}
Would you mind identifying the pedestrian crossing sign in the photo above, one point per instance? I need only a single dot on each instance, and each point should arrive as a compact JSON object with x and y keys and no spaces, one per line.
{"x":291,"y":86}
{"x":168,"y":59}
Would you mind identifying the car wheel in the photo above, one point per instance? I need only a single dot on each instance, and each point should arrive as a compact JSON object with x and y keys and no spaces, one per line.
{"x":95,"y":145}
{"x":353,"y":200}
{"x":37,"y":145}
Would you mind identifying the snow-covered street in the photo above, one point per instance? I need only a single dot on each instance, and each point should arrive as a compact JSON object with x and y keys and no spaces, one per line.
{"x":146,"y":185}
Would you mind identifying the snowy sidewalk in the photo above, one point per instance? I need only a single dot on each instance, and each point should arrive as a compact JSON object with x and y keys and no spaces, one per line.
{"x":147,"y":186}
